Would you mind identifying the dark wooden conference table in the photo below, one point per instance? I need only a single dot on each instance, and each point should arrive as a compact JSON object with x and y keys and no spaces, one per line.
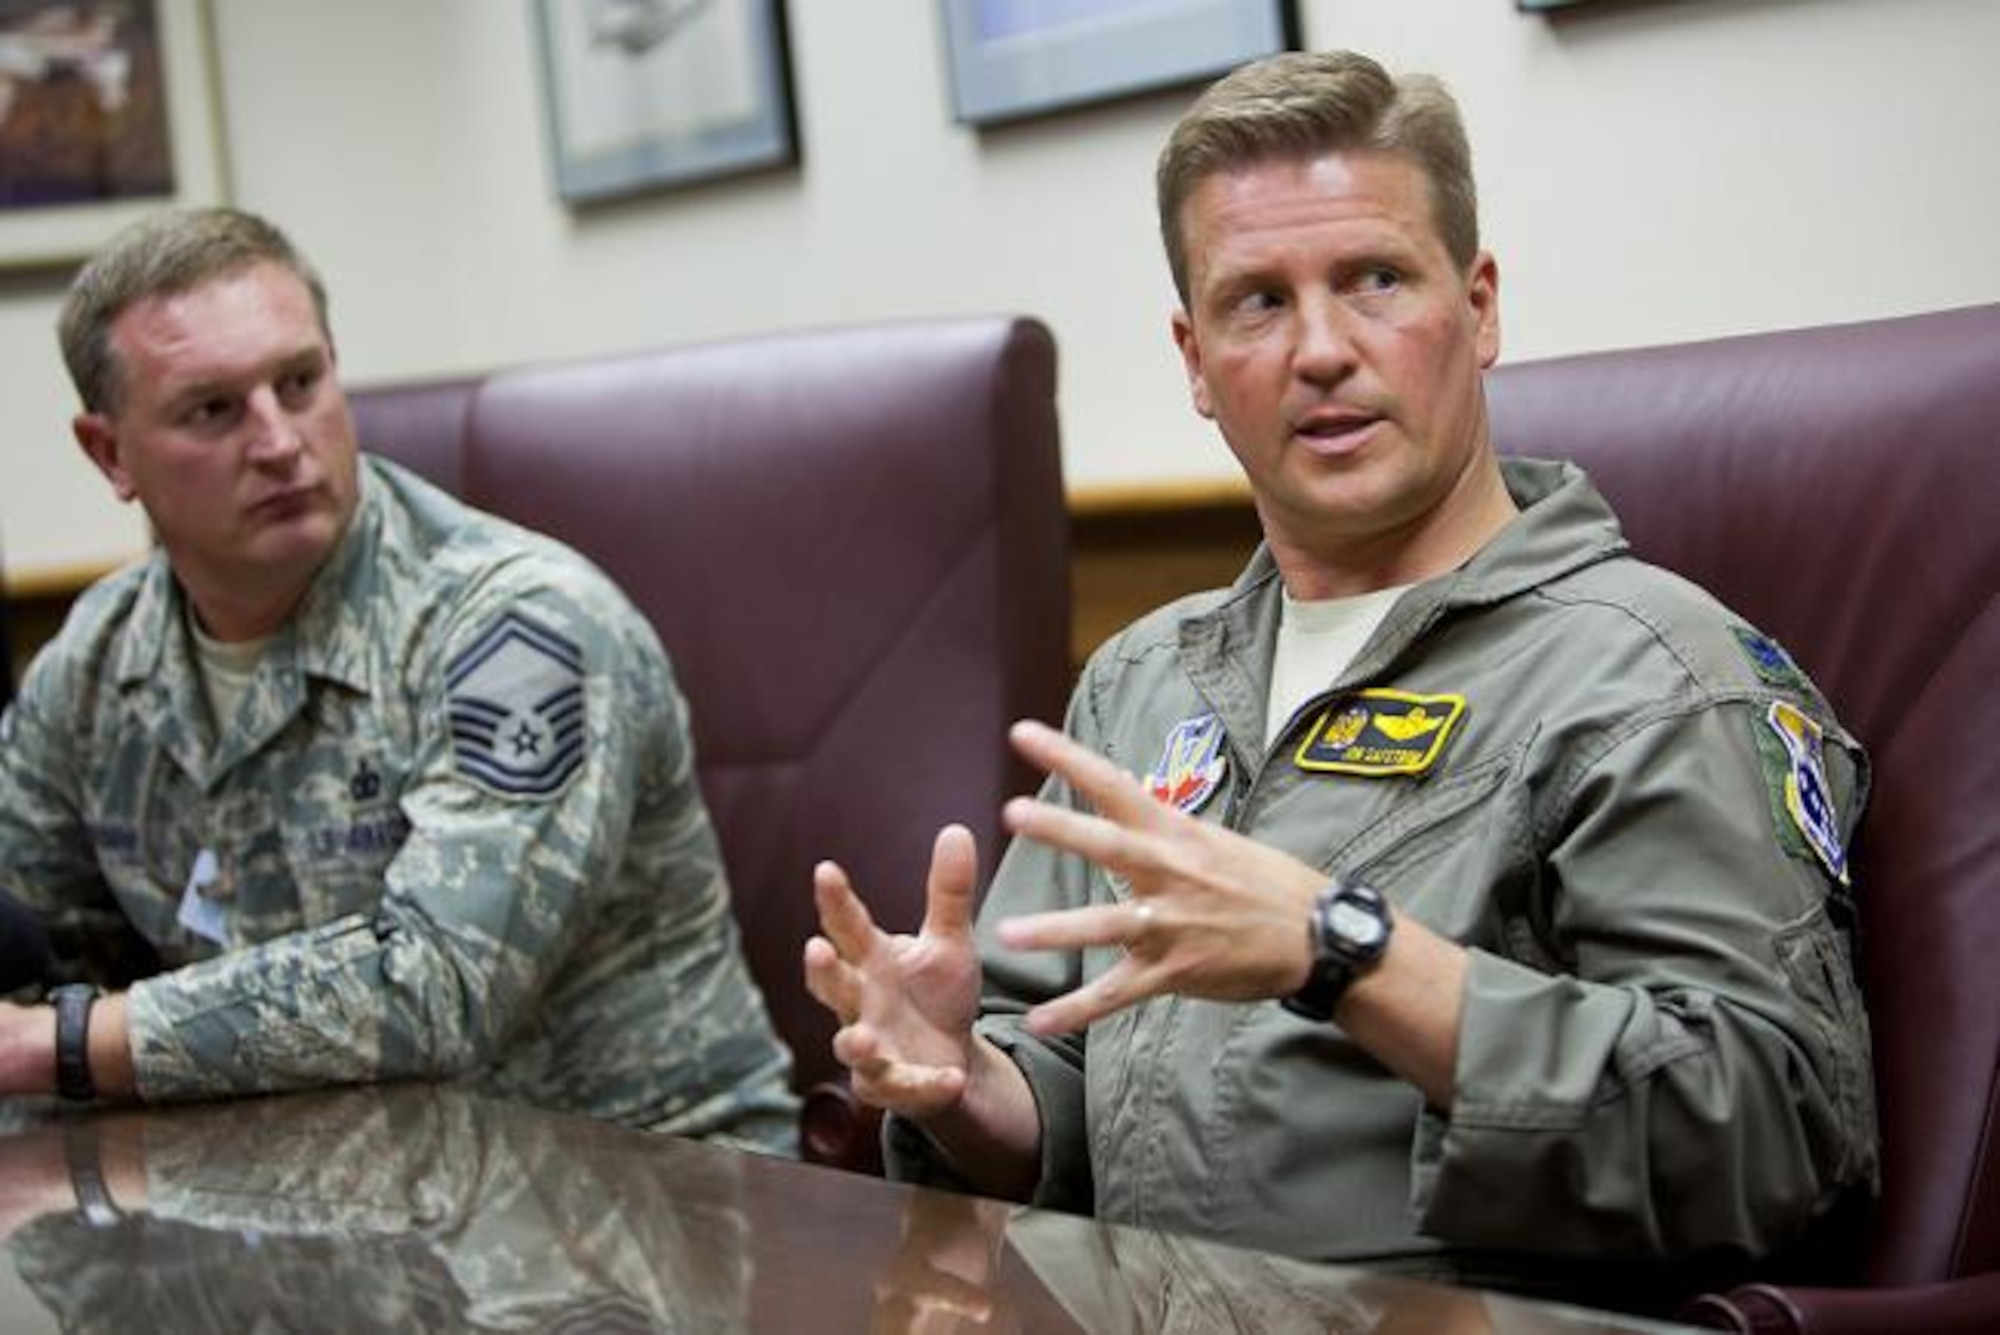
{"x":415,"y":1208}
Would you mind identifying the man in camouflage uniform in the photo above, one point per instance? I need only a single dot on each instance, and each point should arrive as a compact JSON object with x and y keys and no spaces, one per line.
{"x":380,"y":786}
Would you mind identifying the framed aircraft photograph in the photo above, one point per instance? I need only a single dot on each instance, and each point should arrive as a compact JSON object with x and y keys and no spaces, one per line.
{"x":107,"y":111}
{"x":1015,"y":59}
{"x":648,"y":94}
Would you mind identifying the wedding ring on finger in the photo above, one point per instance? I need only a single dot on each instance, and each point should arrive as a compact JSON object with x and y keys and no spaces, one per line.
{"x":1142,"y":922}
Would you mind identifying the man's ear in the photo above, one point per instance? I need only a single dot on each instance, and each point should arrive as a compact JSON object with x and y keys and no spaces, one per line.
{"x":99,"y":440}
{"x":1483,"y":289}
{"x":1190,"y":348}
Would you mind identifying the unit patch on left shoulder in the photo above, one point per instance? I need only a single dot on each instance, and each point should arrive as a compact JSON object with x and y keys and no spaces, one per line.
{"x":515,"y":699}
{"x":1800,"y":792}
{"x":1379,"y":732}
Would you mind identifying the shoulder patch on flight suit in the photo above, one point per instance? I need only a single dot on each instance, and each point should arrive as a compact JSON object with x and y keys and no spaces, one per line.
{"x":1379,"y":732}
{"x":1768,"y":659}
{"x":1192,"y":765}
{"x":515,"y":699}
{"x":1801,"y":800}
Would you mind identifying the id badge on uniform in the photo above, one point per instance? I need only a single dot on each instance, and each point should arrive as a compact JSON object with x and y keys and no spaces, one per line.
{"x":199,"y":913}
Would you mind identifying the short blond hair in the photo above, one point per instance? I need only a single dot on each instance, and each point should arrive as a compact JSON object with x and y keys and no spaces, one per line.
{"x":1302,"y":104}
{"x":164,"y":254}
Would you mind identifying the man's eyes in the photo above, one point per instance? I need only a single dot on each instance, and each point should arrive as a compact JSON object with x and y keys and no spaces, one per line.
{"x":299,"y":384}
{"x":1257,"y":301}
{"x":294,"y":389}
{"x":1375,"y":279}
{"x":1368,"y":281}
{"x":213,"y":412}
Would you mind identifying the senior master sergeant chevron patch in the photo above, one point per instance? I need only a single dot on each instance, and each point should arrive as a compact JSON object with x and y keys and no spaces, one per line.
{"x":517,"y":711}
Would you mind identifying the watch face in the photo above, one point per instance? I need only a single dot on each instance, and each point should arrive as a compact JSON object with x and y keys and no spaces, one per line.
{"x":1356,"y":925}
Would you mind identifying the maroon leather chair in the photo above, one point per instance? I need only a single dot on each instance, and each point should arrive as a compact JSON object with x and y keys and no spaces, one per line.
{"x":854,"y":546}
{"x":1841,"y":488}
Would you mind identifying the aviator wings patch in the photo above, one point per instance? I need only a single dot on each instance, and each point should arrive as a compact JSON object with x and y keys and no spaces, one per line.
{"x":515,"y":699}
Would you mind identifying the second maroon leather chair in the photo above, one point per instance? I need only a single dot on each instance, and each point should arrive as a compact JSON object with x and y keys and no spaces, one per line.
{"x":853,"y":544}
{"x":1840,"y":487}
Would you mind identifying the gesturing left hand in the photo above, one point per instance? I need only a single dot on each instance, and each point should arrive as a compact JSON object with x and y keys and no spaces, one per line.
{"x":1211,"y":913}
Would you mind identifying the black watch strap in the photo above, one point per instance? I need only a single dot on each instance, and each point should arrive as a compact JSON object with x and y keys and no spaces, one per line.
{"x":73,"y":1002}
{"x":1339,"y":954}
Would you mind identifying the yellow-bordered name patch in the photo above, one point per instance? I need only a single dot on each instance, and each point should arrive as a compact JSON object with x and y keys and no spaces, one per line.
{"x":1380,"y":732}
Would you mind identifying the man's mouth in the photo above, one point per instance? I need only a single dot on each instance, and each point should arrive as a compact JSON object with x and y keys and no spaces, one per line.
{"x":1334,"y":431}
{"x":284,"y":504}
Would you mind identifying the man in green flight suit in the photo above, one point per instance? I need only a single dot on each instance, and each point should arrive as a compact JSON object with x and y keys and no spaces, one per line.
{"x":1480,"y":910}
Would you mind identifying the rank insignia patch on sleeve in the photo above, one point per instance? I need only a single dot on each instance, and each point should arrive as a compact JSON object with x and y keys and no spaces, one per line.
{"x":515,"y":699}
{"x":1379,"y":732}
{"x":1803,"y":793}
{"x":1768,"y":659}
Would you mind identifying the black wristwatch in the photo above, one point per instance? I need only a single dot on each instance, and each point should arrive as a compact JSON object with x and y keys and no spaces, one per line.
{"x":73,"y":1002}
{"x":1349,"y":929}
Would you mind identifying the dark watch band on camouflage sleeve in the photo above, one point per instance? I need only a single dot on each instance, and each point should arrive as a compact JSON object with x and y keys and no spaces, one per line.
{"x":73,"y":1002}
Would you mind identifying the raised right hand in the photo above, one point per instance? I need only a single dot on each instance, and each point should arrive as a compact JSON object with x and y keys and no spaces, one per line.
{"x":905,"y":1003}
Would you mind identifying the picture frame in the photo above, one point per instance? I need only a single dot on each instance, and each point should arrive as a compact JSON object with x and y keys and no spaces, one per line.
{"x":1016,"y":59}
{"x":645,"y":95}
{"x":140,"y":75}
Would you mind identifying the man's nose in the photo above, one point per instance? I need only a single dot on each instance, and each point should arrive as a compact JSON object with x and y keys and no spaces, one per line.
{"x":1324,"y":349}
{"x":274,"y":436}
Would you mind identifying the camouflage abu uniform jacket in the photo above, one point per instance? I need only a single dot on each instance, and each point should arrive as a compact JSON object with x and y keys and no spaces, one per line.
{"x":1573,"y":763}
{"x":452,"y":832}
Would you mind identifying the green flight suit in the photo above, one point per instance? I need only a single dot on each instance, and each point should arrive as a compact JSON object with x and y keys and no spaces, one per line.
{"x":1662,"y":1051}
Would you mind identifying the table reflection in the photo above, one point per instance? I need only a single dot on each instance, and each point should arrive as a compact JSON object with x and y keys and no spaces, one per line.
{"x":965,"y":1266}
{"x":418,"y":1208}
{"x":403,"y":1209}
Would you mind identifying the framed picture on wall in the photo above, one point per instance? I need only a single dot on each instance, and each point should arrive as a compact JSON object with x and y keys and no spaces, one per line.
{"x":107,"y":111}
{"x":1012,"y":59}
{"x":647,"y":94}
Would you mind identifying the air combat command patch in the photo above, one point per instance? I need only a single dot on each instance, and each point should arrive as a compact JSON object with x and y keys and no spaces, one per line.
{"x":1800,"y":791}
{"x":1191,"y":765}
{"x":1380,"y":732}
{"x":515,"y":699}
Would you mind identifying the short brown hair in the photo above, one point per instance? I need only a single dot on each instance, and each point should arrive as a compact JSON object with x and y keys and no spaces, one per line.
{"x":1302,"y":104}
{"x":163,"y":254}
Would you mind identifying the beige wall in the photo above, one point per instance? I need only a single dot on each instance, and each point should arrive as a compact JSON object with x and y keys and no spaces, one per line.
{"x":1652,"y":170}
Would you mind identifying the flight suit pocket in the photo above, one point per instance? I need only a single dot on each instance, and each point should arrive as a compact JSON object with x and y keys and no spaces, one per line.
{"x":1424,"y":826}
{"x":1461,"y":860}
{"x":1821,"y":973}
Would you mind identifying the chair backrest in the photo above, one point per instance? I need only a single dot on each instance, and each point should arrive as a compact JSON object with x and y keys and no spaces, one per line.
{"x":1840,"y":487}
{"x":853,"y":544}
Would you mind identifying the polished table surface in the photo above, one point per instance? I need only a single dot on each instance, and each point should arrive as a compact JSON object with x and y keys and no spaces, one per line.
{"x":422,"y":1209}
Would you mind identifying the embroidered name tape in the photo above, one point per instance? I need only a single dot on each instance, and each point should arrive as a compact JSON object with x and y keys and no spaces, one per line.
{"x":1808,"y":799}
{"x":515,"y":699}
{"x":1192,"y":765}
{"x":1380,"y":732}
